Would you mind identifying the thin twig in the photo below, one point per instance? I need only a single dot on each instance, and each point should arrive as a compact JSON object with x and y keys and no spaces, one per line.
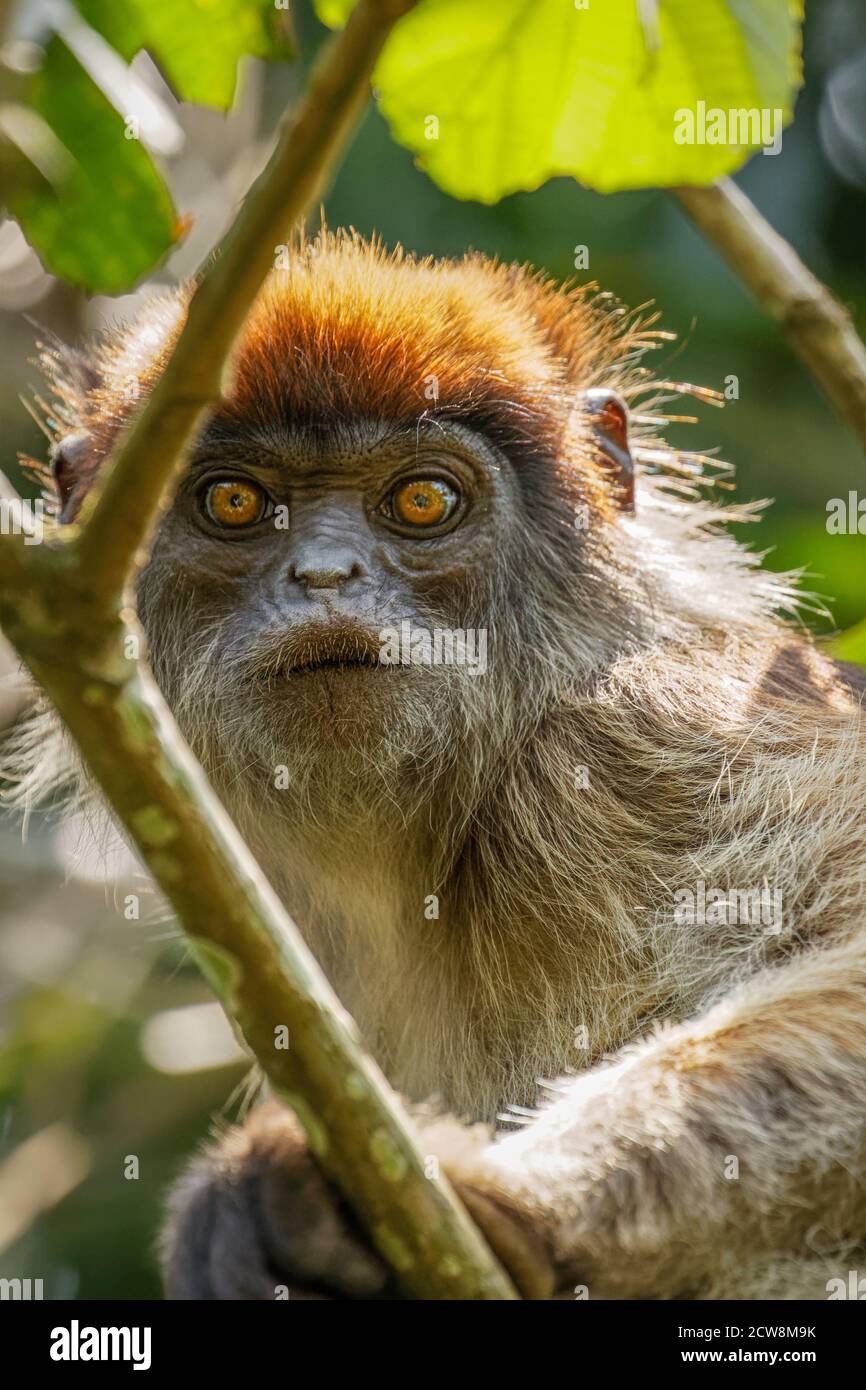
{"x":817,"y":326}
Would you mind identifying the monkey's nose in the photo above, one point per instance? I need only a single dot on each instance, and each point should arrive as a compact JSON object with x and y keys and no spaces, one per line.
{"x":325,"y":571}
{"x":327,"y":548}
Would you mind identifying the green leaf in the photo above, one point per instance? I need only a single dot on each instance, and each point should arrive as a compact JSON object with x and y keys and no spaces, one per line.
{"x":524,"y":90}
{"x":109,"y":219}
{"x":197,"y":43}
{"x":851,"y":645}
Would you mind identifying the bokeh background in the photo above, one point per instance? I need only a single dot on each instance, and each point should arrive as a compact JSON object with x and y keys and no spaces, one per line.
{"x":113,"y":1060}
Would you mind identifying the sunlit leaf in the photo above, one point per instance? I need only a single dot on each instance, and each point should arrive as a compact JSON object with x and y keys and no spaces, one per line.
{"x":499,"y":97}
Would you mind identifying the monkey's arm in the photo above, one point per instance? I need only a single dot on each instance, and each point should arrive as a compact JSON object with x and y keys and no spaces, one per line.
{"x":730,"y":1144}
{"x":736,"y":1139}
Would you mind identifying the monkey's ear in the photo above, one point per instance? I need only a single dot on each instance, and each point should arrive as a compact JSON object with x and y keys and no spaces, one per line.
{"x":68,"y":456}
{"x":609,"y":415}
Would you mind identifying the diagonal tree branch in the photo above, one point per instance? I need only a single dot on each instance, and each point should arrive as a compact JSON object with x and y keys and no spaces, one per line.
{"x":816,"y":325}
{"x":61,"y":604}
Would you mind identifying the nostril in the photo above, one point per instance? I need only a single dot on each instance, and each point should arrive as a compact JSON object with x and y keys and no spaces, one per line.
{"x":324,"y":576}
{"x":321,"y":579}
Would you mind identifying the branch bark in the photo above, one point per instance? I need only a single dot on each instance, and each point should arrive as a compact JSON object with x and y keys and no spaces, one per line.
{"x":816,"y":325}
{"x":62,"y":606}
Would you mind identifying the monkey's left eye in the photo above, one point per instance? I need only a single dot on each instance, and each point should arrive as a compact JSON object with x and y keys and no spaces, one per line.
{"x":235,"y":502}
{"x":423,"y":502}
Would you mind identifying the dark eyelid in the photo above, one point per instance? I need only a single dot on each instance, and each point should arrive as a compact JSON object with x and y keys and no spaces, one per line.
{"x":201,"y":471}
{"x":423,"y":473}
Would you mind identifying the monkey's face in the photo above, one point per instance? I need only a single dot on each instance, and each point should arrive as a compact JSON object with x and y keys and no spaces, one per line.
{"x":373,"y":562}
{"x":331,"y":594}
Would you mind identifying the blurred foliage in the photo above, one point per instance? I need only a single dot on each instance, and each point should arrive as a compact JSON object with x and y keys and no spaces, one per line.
{"x":84,"y":186}
{"x":80,"y":986}
{"x":108,"y":218}
{"x":81,"y":1092}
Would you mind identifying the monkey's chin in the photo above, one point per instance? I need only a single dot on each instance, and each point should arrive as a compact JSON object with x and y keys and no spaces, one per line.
{"x":336,"y":702}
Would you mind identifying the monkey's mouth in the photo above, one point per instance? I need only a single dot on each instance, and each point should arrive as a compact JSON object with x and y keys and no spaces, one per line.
{"x":343,"y":664}
{"x":316,"y":650}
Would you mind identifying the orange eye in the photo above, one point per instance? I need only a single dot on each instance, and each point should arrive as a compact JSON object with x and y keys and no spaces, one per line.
{"x":423,"y":502}
{"x":235,"y":502}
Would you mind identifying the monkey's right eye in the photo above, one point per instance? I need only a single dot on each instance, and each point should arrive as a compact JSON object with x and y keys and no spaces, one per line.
{"x":235,"y":502}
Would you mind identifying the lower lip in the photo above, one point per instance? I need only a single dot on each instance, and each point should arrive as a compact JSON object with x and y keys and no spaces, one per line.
{"x":350,"y":668}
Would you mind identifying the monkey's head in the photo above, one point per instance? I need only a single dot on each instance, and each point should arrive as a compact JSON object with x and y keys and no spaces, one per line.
{"x":404,"y":529}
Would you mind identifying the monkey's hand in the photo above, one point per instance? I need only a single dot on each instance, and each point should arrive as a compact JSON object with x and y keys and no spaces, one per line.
{"x":253,"y":1218}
